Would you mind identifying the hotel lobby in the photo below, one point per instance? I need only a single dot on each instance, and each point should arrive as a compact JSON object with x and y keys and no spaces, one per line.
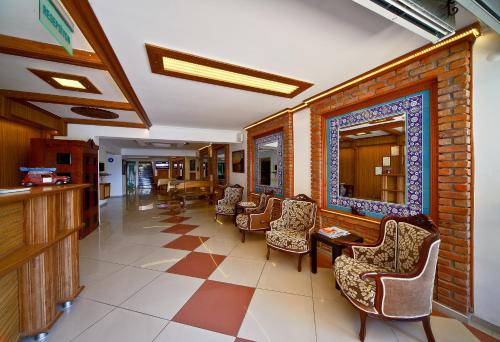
{"x":231,"y":170}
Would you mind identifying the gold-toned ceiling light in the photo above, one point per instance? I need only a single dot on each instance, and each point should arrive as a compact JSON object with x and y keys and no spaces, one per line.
{"x":179,"y":64}
{"x":69,"y":83}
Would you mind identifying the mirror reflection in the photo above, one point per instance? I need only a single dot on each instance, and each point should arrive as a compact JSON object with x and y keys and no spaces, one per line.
{"x":204,"y":168}
{"x":268,"y":163}
{"x":372,"y":158}
{"x":221,"y":166}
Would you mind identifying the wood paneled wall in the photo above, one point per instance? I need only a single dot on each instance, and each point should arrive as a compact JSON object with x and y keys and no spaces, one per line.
{"x":14,"y":149}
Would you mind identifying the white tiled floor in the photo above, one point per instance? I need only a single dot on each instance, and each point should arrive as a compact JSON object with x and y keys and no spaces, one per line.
{"x":129,"y":297}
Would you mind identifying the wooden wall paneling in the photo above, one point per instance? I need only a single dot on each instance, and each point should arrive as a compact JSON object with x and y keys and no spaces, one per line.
{"x":30,"y":114}
{"x":9,"y":307}
{"x":11,"y":228}
{"x":14,"y":150}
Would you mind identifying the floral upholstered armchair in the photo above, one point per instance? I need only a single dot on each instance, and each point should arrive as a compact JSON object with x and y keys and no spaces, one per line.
{"x":292,"y":231}
{"x":227,"y":205}
{"x":394,"y":277}
{"x":258,"y":218}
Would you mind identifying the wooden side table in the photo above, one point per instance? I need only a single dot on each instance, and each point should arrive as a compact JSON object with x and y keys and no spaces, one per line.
{"x":337,"y":245}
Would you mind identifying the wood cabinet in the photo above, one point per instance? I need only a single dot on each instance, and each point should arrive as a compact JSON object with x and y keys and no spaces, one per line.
{"x":38,"y":257}
{"x":79,"y":160}
{"x":104,"y":190}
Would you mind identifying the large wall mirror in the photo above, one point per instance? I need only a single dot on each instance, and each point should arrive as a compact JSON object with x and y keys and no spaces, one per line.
{"x":378,"y":159}
{"x":221,"y":166}
{"x":268,"y":163}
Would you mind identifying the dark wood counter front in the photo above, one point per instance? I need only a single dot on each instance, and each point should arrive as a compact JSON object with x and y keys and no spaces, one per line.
{"x":38,"y":257}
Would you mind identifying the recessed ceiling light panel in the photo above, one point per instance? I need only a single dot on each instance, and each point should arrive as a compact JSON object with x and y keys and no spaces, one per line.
{"x":63,"y":81}
{"x":179,"y":64}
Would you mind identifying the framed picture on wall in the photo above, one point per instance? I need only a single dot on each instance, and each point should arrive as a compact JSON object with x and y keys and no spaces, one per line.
{"x":238,"y":161}
{"x":192,"y":164}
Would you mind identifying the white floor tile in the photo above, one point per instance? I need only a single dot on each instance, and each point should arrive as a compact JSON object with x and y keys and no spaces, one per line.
{"x":282,"y":275}
{"x":323,"y":284}
{"x":252,"y":249}
{"x":120,"y":253}
{"x":275,"y":316}
{"x":161,"y":259}
{"x":123,"y":326}
{"x":95,"y":270}
{"x":175,"y":332}
{"x":151,"y":238}
{"x":119,"y":286}
{"x":80,"y":316}
{"x":238,"y":271}
{"x":217,"y":246}
{"x":164,"y":296}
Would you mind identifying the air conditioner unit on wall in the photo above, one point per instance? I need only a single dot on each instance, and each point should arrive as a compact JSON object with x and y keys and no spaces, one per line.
{"x":431,"y":19}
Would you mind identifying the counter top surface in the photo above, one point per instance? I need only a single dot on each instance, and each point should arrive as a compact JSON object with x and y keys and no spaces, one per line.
{"x":37,"y":191}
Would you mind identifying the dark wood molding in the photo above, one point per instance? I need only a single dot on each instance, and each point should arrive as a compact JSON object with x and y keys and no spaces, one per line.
{"x":49,"y":52}
{"x":104,"y":123}
{"x":47,"y":76}
{"x":83,"y":15}
{"x":68,"y":100}
{"x":156,"y":53}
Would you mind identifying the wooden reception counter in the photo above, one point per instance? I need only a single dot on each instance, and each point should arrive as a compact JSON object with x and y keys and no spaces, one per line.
{"x":38,"y":257}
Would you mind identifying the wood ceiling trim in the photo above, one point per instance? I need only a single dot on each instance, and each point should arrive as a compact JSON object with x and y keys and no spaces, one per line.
{"x":156,"y":54}
{"x":47,"y":76}
{"x":68,"y":100}
{"x":49,"y":52}
{"x":83,"y":15}
{"x":104,"y":123}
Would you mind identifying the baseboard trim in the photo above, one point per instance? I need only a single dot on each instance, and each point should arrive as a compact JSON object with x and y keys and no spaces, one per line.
{"x":450,"y":312}
{"x":481,"y":322}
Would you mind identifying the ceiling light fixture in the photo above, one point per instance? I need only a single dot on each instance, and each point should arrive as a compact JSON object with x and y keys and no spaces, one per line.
{"x":69,"y":83}
{"x":179,"y":64}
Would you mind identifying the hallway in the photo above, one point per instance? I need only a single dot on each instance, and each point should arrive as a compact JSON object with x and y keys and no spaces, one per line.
{"x":151,"y":276}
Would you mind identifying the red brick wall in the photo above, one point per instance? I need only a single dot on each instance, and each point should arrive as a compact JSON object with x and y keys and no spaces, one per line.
{"x":451,"y":68}
{"x":284,"y":123}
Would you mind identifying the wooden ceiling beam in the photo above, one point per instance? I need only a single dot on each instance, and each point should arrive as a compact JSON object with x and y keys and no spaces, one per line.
{"x":83,"y":15}
{"x":67,"y":100}
{"x":49,"y":52}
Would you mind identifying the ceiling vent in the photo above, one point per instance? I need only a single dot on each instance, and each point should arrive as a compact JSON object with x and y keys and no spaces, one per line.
{"x":431,"y":19}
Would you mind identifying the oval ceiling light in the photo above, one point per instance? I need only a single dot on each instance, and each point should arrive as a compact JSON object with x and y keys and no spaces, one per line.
{"x":95,"y":113}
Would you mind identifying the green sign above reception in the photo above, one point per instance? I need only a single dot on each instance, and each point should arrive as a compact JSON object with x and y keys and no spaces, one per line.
{"x":57,"y":22}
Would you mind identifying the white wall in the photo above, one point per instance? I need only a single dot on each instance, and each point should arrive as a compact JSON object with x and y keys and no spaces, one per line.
{"x":235,"y":177}
{"x":157,"y":152}
{"x":302,"y":152}
{"x":116,"y":177}
{"x":486,"y":85}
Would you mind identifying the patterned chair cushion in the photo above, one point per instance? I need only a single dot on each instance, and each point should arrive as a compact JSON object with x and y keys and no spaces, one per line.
{"x":288,"y":239}
{"x":410,"y":240}
{"x":224,"y":209}
{"x":383,"y":255}
{"x":347,"y":273}
{"x":242,"y":221}
{"x":300,"y":215}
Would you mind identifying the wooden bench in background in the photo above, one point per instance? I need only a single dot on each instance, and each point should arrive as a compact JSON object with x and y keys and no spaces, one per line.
{"x":194,"y":190}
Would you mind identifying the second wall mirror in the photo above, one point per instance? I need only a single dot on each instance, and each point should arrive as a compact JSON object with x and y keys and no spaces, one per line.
{"x":268,"y":163}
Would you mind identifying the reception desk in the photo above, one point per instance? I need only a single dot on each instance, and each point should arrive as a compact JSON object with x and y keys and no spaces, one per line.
{"x":38,"y":257}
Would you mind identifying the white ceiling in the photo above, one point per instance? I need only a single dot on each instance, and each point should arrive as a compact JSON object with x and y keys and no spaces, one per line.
{"x":19,"y":18}
{"x":16,"y":76}
{"x":64,"y":111}
{"x":150,"y":144}
{"x":320,"y":41}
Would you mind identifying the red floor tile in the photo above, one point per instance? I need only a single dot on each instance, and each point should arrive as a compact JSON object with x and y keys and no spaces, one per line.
{"x":186,"y":242}
{"x":239,"y":339}
{"x":481,"y":336}
{"x":217,"y":306}
{"x":199,"y":265}
{"x":176,"y":219}
{"x":180,"y":228}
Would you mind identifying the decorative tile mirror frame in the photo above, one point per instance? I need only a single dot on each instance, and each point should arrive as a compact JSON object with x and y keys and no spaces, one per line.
{"x":415,"y":104}
{"x":281,"y":126}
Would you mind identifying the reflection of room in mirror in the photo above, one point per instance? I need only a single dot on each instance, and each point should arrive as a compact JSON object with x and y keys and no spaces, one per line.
{"x":268,"y":162}
{"x":221,"y":166}
{"x":372,"y":160}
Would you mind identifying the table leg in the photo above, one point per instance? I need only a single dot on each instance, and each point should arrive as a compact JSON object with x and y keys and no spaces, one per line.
{"x":336,"y":252}
{"x":314,"y":254}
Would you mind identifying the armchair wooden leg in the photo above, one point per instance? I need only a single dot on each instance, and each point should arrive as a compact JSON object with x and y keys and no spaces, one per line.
{"x":268,"y":252}
{"x":216,"y":216}
{"x":242,"y":235}
{"x":426,"y":321}
{"x":362,"y":327}
{"x":300,"y":262}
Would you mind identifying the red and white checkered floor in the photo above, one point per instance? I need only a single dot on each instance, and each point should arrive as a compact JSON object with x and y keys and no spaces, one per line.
{"x":149,"y":276}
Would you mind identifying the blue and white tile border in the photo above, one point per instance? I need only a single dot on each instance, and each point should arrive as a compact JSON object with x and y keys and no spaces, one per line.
{"x":416,"y":107}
